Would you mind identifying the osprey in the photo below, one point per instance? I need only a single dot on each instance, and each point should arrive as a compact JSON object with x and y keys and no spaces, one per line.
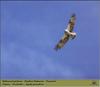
{"x":68,"y":33}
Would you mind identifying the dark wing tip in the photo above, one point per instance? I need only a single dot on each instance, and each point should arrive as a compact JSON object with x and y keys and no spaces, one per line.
{"x":73,"y":15}
{"x":56,"y":48}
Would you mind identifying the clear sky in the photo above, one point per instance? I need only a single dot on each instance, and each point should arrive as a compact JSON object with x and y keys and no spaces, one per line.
{"x":31,"y":29}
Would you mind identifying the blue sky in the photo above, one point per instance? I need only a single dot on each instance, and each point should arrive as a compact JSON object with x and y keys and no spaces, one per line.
{"x":31,"y":29}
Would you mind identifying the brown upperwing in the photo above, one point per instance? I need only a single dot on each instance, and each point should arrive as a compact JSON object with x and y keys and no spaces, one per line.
{"x":71,"y":27}
{"x":62,"y":42}
{"x":72,"y":23}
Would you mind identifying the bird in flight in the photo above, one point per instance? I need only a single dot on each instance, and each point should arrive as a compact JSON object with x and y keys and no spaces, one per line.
{"x":68,"y":33}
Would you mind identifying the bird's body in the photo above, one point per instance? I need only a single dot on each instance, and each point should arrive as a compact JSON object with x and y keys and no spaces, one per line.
{"x":68,"y":33}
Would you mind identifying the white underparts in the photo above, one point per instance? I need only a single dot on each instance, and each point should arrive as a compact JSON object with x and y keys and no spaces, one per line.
{"x":72,"y":34}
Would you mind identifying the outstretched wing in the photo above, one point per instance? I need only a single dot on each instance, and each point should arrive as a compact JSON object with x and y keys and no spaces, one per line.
{"x":71,"y":23}
{"x":62,"y":42}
